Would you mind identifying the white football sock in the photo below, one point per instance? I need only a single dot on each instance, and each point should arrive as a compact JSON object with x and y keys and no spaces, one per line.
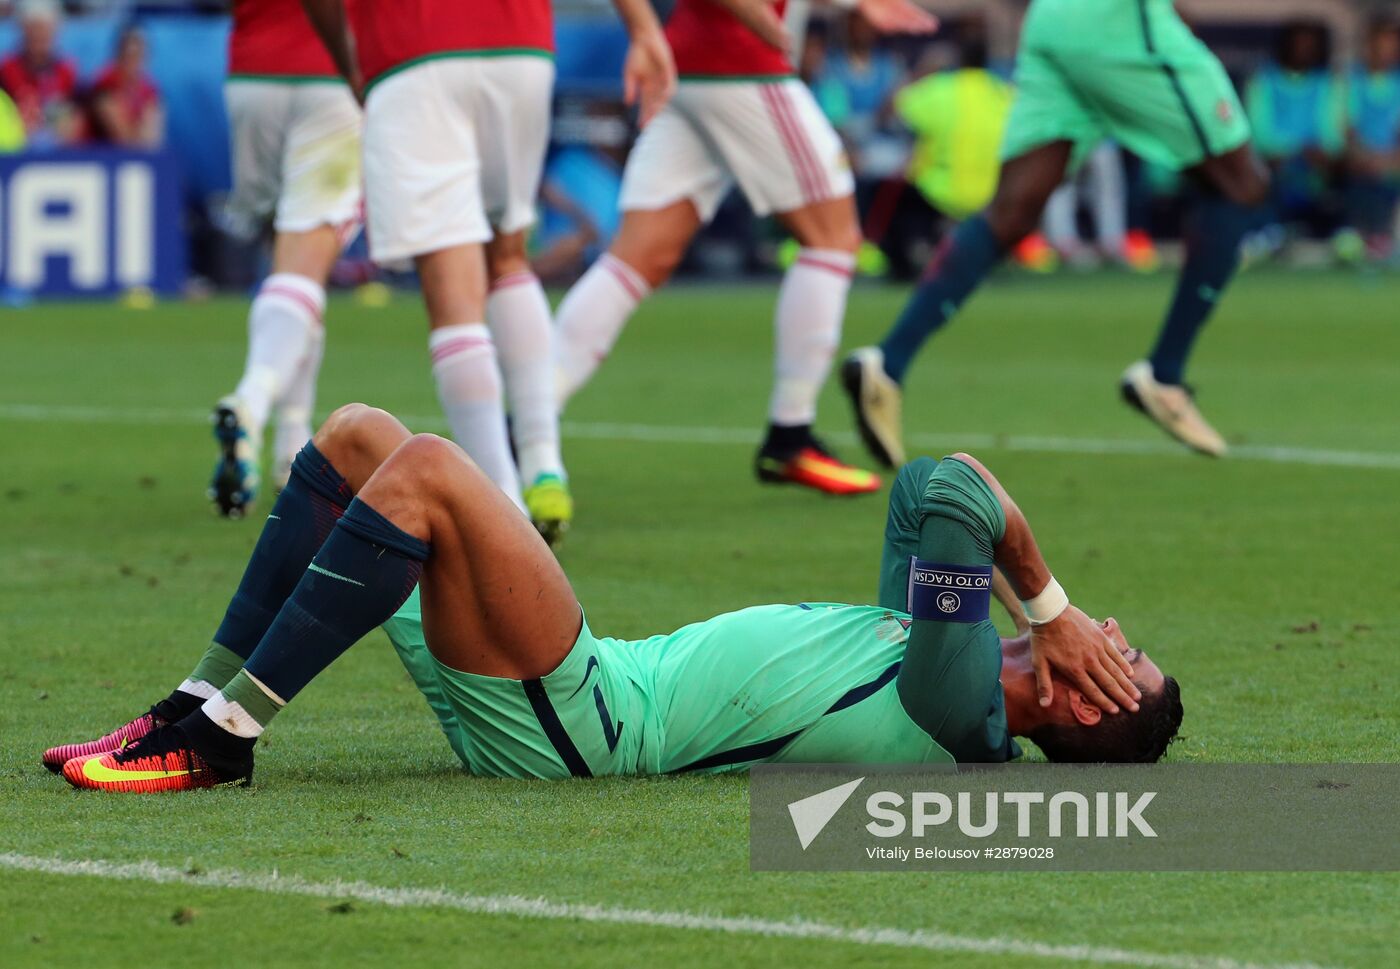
{"x":590,"y":319}
{"x":200,"y":688}
{"x":231,"y":716}
{"x":517,"y":312}
{"x":807,"y":325}
{"x":469,"y":387}
{"x":283,"y":316}
{"x":296,"y":405}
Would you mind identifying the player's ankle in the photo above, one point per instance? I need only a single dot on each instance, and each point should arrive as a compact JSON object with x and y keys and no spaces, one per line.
{"x":177,"y":706}
{"x":786,"y":439}
{"x":224,"y":751}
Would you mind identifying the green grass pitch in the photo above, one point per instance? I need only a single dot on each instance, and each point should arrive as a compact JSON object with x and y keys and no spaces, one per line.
{"x":1266,"y":583}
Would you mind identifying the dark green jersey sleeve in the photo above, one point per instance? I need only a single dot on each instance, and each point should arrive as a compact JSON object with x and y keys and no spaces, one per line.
{"x":950,"y":679}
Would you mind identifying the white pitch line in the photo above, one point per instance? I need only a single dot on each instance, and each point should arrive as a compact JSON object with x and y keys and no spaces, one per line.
{"x":540,"y":908}
{"x":699,"y":434}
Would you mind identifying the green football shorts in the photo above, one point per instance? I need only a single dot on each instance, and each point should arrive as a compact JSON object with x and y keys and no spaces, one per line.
{"x":804,"y":683}
{"x":1129,"y":70}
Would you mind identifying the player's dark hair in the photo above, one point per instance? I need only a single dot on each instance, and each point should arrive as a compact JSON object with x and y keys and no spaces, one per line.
{"x":1122,"y":738}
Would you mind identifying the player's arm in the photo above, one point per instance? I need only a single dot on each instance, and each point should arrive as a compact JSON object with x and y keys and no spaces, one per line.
{"x":1062,"y":636}
{"x":892,"y":16}
{"x":333,"y":27}
{"x":940,"y":540}
{"x":886,"y":16}
{"x":649,"y":73}
{"x":904,"y":541}
{"x":1006,"y":595}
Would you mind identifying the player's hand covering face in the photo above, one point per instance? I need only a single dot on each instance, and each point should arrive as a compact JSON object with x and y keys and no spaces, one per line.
{"x":1082,"y":652}
{"x":898,"y":17}
{"x":649,"y":74}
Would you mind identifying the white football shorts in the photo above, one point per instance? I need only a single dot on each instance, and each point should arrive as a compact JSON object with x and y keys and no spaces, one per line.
{"x":768,"y":136}
{"x":454,"y":150}
{"x":296,"y":155}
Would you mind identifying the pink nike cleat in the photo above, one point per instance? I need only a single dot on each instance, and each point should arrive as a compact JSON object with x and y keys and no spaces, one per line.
{"x":119,"y":739}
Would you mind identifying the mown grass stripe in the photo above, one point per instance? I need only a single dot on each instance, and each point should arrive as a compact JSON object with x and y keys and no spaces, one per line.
{"x":541,"y":908}
{"x":748,"y":436}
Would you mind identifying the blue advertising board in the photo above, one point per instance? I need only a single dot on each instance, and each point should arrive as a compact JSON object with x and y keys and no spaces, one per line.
{"x":90,"y":223}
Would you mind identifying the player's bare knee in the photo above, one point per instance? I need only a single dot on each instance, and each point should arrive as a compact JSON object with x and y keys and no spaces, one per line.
{"x":842,"y":238}
{"x":356,"y":438}
{"x":1253,"y":189}
{"x":1012,"y":217}
{"x":426,"y":462}
{"x":343,"y":422}
{"x":654,"y":264}
{"x":1239,"y":176}
{"x":408,"y":486}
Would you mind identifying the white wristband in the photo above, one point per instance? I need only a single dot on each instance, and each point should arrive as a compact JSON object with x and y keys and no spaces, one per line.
{"x":1047,"y":606}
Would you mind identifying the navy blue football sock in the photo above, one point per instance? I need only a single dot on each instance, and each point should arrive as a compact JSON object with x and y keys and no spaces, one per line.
{"x":1212,"y":256}
{"x":969,"y":255}
{"x":301,"y":520}
{"x":302,"y":517}
{"x":359,"y":578}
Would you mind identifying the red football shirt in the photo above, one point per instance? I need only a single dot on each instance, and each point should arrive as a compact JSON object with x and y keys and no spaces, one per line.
{"x":709,"y":41}
{"x":274,"y":38}
{"x":135,"y":99}
{"x":390,"y":35}
{"x":37,"y":92}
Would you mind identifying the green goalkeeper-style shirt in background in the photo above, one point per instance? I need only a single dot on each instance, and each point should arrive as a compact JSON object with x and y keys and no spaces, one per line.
{"x":957,"y":119}
{"x":807,"y":683}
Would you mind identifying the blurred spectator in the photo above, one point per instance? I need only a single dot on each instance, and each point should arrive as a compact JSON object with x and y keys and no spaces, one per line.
{"x":956,"y":111}
{"x":125,"y":107}
{"x":41,"y":84}
{"x":578,"y":196}
{"x":1297,"y":109}
{"x":854,"y":85}
{"x":11,"y":126}
{"x":1101,"y":186}
{"x":1373,"y":139}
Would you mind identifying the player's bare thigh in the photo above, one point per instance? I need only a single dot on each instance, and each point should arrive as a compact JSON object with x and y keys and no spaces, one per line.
{"x":495,"y":601}
{"x":828,"y":224}
{"x":654,"y":241}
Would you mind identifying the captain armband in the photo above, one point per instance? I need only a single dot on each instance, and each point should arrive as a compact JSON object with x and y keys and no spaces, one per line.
{"x":949,"y":593}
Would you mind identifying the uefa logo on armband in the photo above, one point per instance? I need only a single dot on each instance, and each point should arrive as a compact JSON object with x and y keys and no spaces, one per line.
{"x":949,"y":602}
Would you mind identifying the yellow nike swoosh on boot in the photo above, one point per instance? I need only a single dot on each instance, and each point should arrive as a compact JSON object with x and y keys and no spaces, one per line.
{"x":850,"y":476}
{"x":95,"y":770}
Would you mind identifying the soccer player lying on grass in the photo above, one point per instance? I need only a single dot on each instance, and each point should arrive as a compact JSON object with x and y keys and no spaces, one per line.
{"x":524,"y":689}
